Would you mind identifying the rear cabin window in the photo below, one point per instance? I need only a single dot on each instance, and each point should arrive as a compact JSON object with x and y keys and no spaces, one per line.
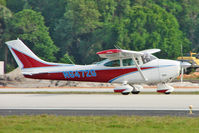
{"x":113,"y":63}
{"x":128,"y":62}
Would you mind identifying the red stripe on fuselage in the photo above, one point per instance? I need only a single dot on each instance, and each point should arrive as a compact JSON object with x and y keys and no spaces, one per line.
{"x":101,"y":75}
{"x":29,"y":62}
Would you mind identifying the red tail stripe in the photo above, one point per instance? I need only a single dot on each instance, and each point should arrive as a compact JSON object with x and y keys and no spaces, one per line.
{"x":29,"y":62}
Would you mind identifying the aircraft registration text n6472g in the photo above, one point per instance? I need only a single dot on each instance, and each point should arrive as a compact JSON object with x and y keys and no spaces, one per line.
{"x":129,"y":68}
{"x":79,"y":74}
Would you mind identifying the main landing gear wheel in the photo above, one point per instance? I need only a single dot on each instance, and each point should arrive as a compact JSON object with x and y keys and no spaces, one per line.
{"x":136,"y":89}
{"x":164,"y":88}
{"x":125,"y":93}
{"x":135,"y":92}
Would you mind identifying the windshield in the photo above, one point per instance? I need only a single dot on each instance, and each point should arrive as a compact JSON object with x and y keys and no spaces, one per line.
{"x":148,"y":57}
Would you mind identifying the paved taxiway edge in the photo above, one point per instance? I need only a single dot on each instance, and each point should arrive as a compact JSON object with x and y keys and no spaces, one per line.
{"x":184,"y":113}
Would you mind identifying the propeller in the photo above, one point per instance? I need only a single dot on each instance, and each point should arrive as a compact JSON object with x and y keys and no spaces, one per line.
{"x":184,"y":66}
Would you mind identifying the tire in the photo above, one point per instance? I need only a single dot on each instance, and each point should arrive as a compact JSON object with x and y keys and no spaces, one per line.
{"x":125,"y":93}
{"x":135,"y":92}
{"x":167,"y":93}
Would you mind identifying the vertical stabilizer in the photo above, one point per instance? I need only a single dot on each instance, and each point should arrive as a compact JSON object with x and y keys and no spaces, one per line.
{"x":24,"y":57}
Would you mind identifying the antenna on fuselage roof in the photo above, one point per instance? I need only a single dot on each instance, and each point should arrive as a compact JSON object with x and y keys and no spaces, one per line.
{"x":70,"y":60}
{"x":117,"y":47}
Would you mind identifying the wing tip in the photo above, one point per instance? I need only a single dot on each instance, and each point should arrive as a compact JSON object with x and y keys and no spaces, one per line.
{"x":110,"y":51}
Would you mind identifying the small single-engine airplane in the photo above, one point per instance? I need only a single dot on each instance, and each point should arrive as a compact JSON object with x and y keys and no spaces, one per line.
{"x":120,"y":66}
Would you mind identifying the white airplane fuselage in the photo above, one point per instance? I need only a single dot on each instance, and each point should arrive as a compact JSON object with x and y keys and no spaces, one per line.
{"x":158,"y":70}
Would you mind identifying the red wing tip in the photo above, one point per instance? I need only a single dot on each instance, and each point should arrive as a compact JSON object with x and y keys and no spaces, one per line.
{"x":110,"y":51}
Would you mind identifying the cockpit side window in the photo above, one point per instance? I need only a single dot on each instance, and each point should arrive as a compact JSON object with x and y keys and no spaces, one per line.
{"x":113,"y":63}
{"x":128,"y":62}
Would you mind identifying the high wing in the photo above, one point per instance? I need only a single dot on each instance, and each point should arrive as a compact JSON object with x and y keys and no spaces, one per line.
{"x":120,"y":53}
{"x":150,"y":51}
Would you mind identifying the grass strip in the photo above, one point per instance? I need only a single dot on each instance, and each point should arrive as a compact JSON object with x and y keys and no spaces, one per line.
{"x":98,"y":124}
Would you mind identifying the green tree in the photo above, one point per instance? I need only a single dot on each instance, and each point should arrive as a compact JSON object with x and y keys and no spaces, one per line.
{"x":67,"y":59}
{"x":3,"y":2}
{"x":75,"y":29}
{"x":122,"y":8}
{"x":187,"y":14}
{"x":114,"y":15}
{"x":5,"y":15}
{"x":107,"y":10}
{"x":16,"y":5}
{"x":52,"y":10}
{"x":189,"y":21}
{"x":83,"y":27}
{"x":151,"y":26}
{"x":28,"y":25}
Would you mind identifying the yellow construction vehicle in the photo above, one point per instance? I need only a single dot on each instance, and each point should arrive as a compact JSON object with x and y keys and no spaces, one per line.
{"x":193,"y":59}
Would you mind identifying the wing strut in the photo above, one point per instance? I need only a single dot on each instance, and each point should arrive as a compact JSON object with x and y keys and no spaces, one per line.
{"x":140,"y":71}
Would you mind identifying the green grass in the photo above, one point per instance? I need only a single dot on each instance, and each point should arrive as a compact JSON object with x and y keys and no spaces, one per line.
{"x":98,"y":124}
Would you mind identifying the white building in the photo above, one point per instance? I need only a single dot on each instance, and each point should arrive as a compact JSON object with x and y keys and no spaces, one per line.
{"x":1,"y":67}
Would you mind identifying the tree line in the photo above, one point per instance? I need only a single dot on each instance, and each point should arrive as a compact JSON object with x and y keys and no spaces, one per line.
{"x":77,"y":29}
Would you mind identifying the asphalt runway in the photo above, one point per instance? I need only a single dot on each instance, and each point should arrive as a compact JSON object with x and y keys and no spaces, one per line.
{"x":98,"y":104}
